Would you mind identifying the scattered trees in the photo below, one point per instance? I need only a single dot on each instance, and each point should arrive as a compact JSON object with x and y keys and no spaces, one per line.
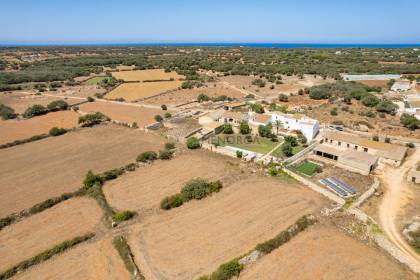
{"x":7,"y":112}
{"x":92,"y":119}
{"x":146,"y":156}
{"x":57,"y":105}
{"x":284,"y":98}
{"x":35,"y":110}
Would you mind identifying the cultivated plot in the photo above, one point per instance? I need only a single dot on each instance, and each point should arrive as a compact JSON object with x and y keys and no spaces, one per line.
{"x":12,"y":130}
{"x":39,"y":170}
{"x":324,"y":252}
{"x":187,"y":242}
{"x":124,"y":113}
{"x":43,"y":231}
{"x":97,"y":260}
{"x":136,"y":91}
{"x":147,"y":186}
{"x":146,"y":75}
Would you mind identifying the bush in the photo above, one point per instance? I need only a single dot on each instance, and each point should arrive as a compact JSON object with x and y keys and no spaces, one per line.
{"x":238,"y":154}
{"x":164,"y":107}
{"x":193,"y":143}
{"x":287,"y":149}
{"x":195,"y":189}
{"x":90,"y":99}
{"x":123,"y":216}
{"x":291,"y":140}
{"x":227,"y":128}
{"x":91,"y":180}
{"x":167,"y":115}
{"x":387,"y":140}
{"x":6,"y":112}
{"x":302,"y":139}
{"x":58,"y":105}
{"x":92,"y":119}
{"x":410,"y":145}
{"x":202,"y":97}
{"x":169,"y":146}
{"x":387,"y":106}
{"x":284,"y":98}
{"x":409,"y":121}
{"x":375,"y":138}
{"x":273,"y":171}
{"x":244,"y":128}
{"x":171,"y":202}
{"x":111,"y":174}
{"x":227,"y":271}
{"x":55,"y":131}
{"x":334,"y":112}
{"x":370,"y":100}
{"x":35,"y":110}
{"x":165,"y":154}
{"x":257,"y":108}
{"x":158,"y":118}
{"x":146,"y":156}
{"x":264,"y":130}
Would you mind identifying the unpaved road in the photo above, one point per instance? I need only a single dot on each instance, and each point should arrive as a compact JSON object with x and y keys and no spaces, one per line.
{"x":397,"y":192}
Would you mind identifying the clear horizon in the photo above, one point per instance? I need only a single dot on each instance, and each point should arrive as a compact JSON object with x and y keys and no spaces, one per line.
{"x":48,"y":22}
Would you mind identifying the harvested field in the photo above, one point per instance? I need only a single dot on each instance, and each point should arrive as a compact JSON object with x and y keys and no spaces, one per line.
{"x":21,"y":129}
{"x":324,"y":252}
{"x":43,"y":231}
{"x":187,"y":242}
{"x":20,"y":101}
{"x":97,"y":260}
{"x":373,"y":83}
{"x":146,"y":75}
{"x":39,"y":170}
{"x":79,"y":91}
{"x":145,"y":188}
{"x":185,"y":95}
{"x":136,"y":91}
{"x":124,"y":113}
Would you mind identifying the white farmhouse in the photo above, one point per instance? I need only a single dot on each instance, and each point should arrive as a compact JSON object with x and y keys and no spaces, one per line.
{"x":399,"y":86}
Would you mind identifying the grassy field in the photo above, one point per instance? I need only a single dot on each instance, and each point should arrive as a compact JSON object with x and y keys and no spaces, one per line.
{"x":279,"y":153}
{"x":259,"y":145}
{"x":307,"y":168}
{"x":95,"y":80}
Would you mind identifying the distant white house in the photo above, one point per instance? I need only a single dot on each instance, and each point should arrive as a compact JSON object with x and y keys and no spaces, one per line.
{"x":399,"y":86}
{"x":290,"y":122}
{"x":371,"y":77}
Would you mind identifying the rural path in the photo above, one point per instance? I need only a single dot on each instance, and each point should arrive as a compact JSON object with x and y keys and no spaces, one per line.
{"x":397,"y":192}
{"x":270,"y":152}
{"x":243,"y":91}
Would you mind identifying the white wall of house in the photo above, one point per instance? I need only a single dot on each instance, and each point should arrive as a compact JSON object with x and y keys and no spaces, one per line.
{"x":307,"y":126}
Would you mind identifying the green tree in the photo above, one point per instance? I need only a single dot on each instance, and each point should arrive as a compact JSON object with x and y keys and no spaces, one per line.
{"x":287,"y":149}
{"x":227,"y":128}
{"x":164,"y":107}
{"x":92,"y":119}
{"x":158,"y":118}
{"x":291,"y":140}
{"x":264,"y":130}
{"x":244,"y":128}
{"x":57,"y":105}
{"x":409,"y":121}
{"x":387,"y":106}
{"x":193,"y":143}
{"x":284,"y":98}
{"x":35,"y":110}
{"x":7,"y":112}
{"x":369,"y":100}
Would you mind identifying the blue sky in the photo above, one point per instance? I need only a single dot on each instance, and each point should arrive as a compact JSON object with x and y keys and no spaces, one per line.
{"x":234,"y":21}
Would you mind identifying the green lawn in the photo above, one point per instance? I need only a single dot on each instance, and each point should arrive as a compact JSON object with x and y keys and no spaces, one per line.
{"x":259,"y":145}
{"x":94,"y":80}
{"x":307,"y":168}
{"x":278,"y":153}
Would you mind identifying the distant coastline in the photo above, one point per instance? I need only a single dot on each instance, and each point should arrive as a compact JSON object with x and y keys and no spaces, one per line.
{"x":246,"y":45}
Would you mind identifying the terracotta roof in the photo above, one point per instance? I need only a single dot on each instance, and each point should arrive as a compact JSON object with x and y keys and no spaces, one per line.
{"x":233,"y":115}
{"x":385,"y":150}
{"x":262,"y":118}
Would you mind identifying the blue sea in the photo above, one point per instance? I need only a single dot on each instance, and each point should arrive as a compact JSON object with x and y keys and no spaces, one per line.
{"x":245,"y":45}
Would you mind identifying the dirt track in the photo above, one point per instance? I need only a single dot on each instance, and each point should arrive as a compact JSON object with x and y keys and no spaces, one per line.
{"x":39,"y":170}
{"x":396,"y":196}
{"x":43,"y":231}
{"x":324,"y":252}
{"x":97,"y":260}
{"x":187,"y":242}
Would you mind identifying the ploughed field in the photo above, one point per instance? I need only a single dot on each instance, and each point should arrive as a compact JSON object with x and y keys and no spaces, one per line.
{"x":42,"y":231}
{"x":36,"y":171}
{"x":136,"y":91}
{"x":146,"y":75}
{"x":147,"y":186}
{"x":324,"y":252}
{"x":124,"y":113}
{"x":12,"y":130}
{"x":98,"y":260}
{"x":194,"y":239}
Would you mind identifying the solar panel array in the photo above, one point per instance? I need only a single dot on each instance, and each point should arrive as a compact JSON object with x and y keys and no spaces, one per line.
{"x":338,"y":186}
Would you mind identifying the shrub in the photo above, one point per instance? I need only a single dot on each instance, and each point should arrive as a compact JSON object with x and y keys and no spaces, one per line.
{"x":164,"y":107}
{"x":409,"y":121}
{"x":370,"y":114}
{"x":193,"y":143}
{"x":91,"y":180}
{"x":6,"y":112}
{"x":35,"y":110}
{"x":55,"y":131}
{"x":287,"y":149}
{"x":123,"y":216}
{"x":195,"y":189}
{"x":410,"y":145}
{"x":291,"y":140}
{"x":158,"y":118}
{"x":264,"y":130}
{"x":244,"y":128}
{"x":171,"y":202}
{"x":284,"y":98}
{"x":165,"y":154}
{"x":90,"y":99}
{"x":57,"y":105}
{"x":169,"y":146}
{"x":257,"y":108}
{"x":273,"y":171}
{"x":375,"y":138}
{"x":167,"y":115}
{"x":334,"y":112}
{"x":370,"y":100}
{"x":227,"y":271}
{"x":387,"y":140}
{"x":238,"y":154}
{"x":227,"y":128}
{"x":387,"y":106}
{"x":258,"y":82}
{"x":146,"y":156}
{"x":92,"y":119}
{"x":202,"y":97}
{"x":111,"y":174}
{"x":134,"y":125}
{"x":302,"y":139}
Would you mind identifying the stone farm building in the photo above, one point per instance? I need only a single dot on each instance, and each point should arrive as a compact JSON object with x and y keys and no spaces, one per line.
{"x":335,"y":145}
{"x":400,"y":86}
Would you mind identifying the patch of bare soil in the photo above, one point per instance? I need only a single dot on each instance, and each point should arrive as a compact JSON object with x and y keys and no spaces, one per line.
{"x":187,"y":242}
{"x":382,"y":84}
{"x":124,"y":113}
{"x":148,"y":185}
{"x":22,"y":100}
{"x":87,"y":261}
{"x":324,"y":252}
{"x":39,"y":170}
{"x":43,"y":231}
{"x":146,"y":75}
{"x":187,"y":95}
{"x":79,"y":91}
{"x":138,"y":91}
{"x":12,"y":130}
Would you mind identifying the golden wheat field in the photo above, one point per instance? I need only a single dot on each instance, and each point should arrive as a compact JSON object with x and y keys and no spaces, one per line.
{"x":146,"y":75}
{"x":136,"y":91}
